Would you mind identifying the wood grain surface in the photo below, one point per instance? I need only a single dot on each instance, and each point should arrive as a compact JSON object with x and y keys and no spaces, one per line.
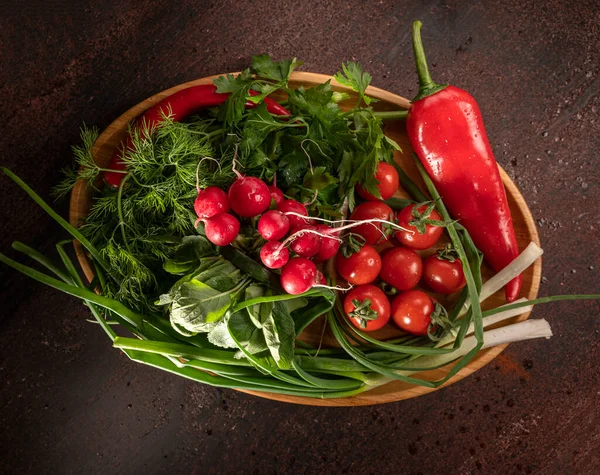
{"x":525,"y":229}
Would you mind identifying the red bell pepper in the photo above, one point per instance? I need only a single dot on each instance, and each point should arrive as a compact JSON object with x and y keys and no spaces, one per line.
{"x":180,"y":105}
{"x":446,"y":131}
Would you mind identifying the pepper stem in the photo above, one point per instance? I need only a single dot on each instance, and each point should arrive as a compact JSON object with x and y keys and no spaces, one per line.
{"x":426,"y":85}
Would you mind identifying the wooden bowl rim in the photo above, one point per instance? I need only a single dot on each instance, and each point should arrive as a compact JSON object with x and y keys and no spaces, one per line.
{"x":363,"y":399}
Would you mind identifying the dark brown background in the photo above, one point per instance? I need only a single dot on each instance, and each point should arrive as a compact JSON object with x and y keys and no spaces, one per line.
{"x":71,"y":404}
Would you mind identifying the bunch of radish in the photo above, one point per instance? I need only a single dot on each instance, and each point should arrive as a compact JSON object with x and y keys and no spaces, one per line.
{"x":289,"y":231}
{"x":247,"y":197}
{"x":250,"y":197}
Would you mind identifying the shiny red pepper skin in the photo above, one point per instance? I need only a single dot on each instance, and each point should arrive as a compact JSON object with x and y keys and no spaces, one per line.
{"x":181,"y":105}
{"x":447,"y":133}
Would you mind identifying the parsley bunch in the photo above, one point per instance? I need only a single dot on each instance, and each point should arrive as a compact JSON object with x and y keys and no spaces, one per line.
{"x":322,"y":150}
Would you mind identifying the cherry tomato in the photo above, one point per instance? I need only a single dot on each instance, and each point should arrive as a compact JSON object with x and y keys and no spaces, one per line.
{"x":362,"y":267}
{"x":368,"y":316}
{"x":372,"y":232}
{"x":442,"y":275}
{"x":412,"y":310}
{"x":401,"y":268}
{"x":387,"y":176}
{"x":413,"y":238}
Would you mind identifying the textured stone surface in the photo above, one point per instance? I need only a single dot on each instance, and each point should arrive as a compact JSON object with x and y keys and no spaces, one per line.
{"x":71,"y":404}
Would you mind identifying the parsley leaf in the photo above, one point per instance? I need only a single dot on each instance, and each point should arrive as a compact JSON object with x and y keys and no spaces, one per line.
{"x":292,"y":168}
{"x":392,"y":143}
{"x":328,"y":123}
{"x":258,"y":125}
{"x":238,"y":86}
{"x":355,"y":78}
{"x":319,"y":179}
{"x":265,"y":67}
{"x":313,"y":100}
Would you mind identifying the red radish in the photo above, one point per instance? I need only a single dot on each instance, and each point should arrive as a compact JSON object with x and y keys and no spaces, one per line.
{"x":320,"y":279}
{"x":306,"y":244}
{"x":273,"y":225}
{"x":273,"y":255}
{"x":329,"y":246}
{"x":298,"y":275}
{"x":372,"y":232}
{"x":292,"y":206}
{"x":276,"y":195}
{"x":388,"y":179}
{"x":221,"y":229}
{"x":249,"y":196}
{"x":210,"y":202}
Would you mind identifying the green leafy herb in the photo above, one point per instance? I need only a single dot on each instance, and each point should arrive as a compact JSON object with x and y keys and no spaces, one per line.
{"x":263,"y":66}
{"x":238,"y":86}
{"x":85,"y":167}
{"x":318,"y":179}
{"x":354,"y":77}
{"x":200,"y":300}
{"x":188,"y":254}
{"x":259,"y":124}
{"x":278,"y":330}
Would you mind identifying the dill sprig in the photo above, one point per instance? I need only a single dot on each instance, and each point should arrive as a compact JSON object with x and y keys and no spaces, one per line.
{"x":155,"y":202}
{"x":84,"y":167}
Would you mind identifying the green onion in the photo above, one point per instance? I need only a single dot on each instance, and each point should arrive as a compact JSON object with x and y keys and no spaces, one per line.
{"x":63,"y":222}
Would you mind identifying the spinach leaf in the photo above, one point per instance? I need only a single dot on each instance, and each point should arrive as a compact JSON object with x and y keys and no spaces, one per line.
{"x":254,"y":291}
{"x":274,"y":327}
{"x":248,"y":335}
{"x":266,"y":325}
{"x":278,"y":330}
{"x":199,"y":307}
{"x":188,"y":254}
{"x":200,"y":300}
{"x":271,"y":322}
{"x":220,"y":336}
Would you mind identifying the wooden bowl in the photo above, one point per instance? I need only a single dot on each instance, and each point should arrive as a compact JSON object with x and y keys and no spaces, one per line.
{"x":111,"y":137}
